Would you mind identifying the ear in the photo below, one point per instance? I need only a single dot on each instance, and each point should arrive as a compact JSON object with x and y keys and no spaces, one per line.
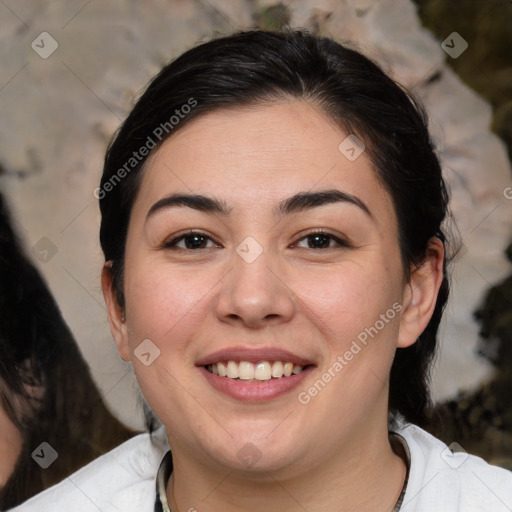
{"x":115,"y":313}
{"x":420,"y":295}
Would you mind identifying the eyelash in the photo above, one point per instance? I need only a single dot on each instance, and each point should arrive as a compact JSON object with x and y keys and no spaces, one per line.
{"x":172,"y":243}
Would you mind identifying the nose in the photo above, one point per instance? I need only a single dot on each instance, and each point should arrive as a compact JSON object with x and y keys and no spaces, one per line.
{"x":255,"y":294}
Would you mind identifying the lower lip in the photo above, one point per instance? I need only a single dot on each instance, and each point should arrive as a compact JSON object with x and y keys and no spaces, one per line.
{"x":262,"y":391}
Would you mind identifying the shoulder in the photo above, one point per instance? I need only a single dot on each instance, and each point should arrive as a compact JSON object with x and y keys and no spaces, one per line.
{"x":122,"y":479}
{"x":451,"y":480}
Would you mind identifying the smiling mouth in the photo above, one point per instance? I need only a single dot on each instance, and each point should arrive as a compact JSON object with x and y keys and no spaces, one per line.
{"x":262,"y":371}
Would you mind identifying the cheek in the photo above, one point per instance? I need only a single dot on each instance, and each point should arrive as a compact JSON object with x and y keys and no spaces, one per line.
{"x":357,"y":311}
{"x":346,"y":302}
{"x":166,"y":306}
{"x":164,"y":303}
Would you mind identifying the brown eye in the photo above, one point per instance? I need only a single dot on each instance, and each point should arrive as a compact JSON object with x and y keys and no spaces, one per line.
{"x":321,"y":240}
{"x":190,"y":241}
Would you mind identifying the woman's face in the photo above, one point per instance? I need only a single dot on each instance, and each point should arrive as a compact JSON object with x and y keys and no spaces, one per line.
{"x":257,"y":282}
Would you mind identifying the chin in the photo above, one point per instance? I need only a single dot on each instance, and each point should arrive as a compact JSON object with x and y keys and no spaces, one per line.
{"x":255,"y":452}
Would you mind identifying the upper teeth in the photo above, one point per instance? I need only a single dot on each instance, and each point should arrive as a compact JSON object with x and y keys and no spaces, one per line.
{"x":264,"y":370}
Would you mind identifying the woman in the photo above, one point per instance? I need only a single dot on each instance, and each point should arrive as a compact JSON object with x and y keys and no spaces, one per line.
{"x":275,"y":270}
{"x":47,"y":394}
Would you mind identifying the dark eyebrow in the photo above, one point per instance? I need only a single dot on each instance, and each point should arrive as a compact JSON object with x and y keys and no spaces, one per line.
{"x":296,"y":203}
{"x":307,"y":200}
{"x":195,"y":201}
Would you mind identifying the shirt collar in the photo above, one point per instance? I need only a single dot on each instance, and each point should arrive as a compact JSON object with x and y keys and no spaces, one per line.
{"x":162,"y":477}
{"x":406,"y":455}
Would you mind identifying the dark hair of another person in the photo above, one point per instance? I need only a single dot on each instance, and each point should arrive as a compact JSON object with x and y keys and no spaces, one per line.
{"x":37,"y":350}
{"x":259,"y":67}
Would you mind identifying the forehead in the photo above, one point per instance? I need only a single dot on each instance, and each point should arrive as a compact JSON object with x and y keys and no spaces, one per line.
{"x":257,"y":155}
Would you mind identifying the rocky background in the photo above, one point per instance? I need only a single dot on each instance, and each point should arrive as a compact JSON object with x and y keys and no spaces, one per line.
{"x":71,"y":71}
{"x":481,"y":420}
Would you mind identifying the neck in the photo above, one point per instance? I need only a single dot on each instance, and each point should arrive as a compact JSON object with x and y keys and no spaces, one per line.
{"x":364,"y":475}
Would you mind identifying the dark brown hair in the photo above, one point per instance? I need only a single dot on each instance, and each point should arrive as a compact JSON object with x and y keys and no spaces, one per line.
{"x":37,"y":350}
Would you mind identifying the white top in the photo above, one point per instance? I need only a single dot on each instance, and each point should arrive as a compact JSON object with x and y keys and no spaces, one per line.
{"x":124,"y":480}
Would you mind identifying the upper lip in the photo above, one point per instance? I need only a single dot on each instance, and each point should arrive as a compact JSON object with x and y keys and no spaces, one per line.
{"x":253,"y":355}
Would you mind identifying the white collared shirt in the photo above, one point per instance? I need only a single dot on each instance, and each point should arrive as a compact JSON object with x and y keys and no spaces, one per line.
{"x":124,"y":480}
